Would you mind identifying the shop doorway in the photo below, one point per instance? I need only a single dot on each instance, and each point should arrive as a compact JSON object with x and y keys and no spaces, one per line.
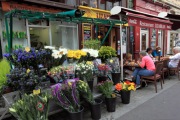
{"x":39,"y":37}
{"x":144,"y":42}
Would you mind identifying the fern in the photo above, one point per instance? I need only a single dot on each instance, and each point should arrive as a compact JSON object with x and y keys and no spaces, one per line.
{"x":4,"y":70}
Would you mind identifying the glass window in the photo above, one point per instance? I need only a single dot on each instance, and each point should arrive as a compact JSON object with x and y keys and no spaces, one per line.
{"x":64,"y":35}
{"x":108,"y":5}
{"x":116,"y":4}
{"x":130,"y":4}
{"x":71,"y":2}
{"x":93,"y":3}
{"x":153,"y":39}
{"x":102,"y":4}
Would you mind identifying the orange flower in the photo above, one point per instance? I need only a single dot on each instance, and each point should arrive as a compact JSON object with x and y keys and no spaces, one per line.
{"x":118,"y":86}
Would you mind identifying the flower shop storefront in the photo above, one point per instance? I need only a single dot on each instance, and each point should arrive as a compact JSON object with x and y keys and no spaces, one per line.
{"x":68,"y":73}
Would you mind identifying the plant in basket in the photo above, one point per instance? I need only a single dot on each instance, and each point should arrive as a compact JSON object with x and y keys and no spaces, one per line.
{"x":95,"y":104}
{"x":25,"y":80}
{"x":31,"y":107}
{"x":67,"y":96}
{"x":106,"y":88}
{"x":125,"y":90}
{"x":115,"y":69}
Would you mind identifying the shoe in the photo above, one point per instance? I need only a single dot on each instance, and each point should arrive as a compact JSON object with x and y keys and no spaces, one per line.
{"x":138,"y":86}
{"x":130,"y":78}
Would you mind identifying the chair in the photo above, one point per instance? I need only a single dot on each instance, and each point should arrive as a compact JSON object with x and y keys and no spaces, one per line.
{"x":165,"y":68}
{"x":175,"y":70}
{"x":155,"y":77}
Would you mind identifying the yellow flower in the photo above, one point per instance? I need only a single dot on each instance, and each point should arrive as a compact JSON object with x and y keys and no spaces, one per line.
{"x":70,"y":54}
{"x":69,"y":83}
{"x":111,"y":61}
{"x":27,"y":49}
{"x":124,"y":86}
{"x":113,"y":95}
{"x":129,"y":88}
{"x":83,"y":53}
{"x":89,"y":62}
{"x":28,"y":70}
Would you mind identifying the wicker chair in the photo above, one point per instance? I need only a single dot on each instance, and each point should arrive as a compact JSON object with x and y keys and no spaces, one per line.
{"x":155,"y":77}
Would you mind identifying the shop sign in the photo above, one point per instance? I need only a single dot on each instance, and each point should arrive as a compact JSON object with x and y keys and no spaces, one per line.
{"x":8,"y":6}
{"x":147,"y":24}
{"x":95,"y":13}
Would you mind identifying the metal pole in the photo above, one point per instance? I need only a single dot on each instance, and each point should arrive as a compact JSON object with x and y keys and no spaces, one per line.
{"x":7,"y":33}
{"x":11,"y":33}
{"x":106,"y":34}
{"x":121,"y":48}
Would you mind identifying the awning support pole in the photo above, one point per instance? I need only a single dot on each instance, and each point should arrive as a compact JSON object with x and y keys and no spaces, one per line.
{"x":121,"y":49}
{"x":11,"y":32}
{"x":7,"y":33}
{"x":106,"y":35}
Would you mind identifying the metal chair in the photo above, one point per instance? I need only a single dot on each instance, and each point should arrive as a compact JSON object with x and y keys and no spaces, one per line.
{"x":155,"y":77}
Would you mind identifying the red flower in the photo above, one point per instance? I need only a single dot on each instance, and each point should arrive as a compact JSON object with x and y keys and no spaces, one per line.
{"x":128,"y":82}
{"x":40,"y":106}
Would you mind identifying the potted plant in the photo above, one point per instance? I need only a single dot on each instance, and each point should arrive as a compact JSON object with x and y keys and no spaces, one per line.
{"x":75,"y":56}
{"x":106,"y":87}
{"x":106,"y":52}
{"x":95,"y":104}
{"x":4,"y":70}
{"x":115,"y":69}
{"x":67,"y":96}
{"x":25,"y":80}
{"x":125,"y":90}
{"x":101,"y":70}
{"x":92,"y":44}
{"x":84,"y":71}
{"x":31,"y":107}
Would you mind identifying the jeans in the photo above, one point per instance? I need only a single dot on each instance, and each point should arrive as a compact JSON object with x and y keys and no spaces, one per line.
{"x":141,"y":71}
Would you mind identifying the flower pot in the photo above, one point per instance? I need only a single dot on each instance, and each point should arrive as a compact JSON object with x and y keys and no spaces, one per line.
{"x":125,"y":96}
{"x":101,"y":78}
{"x":76,"y":115}
{"x":115,"y":78}
{"x":110,"y":104}
{"x":96,"y":109}
{"x":91,"y":85}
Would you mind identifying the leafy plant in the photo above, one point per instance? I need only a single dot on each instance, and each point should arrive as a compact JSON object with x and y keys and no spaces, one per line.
{"x":106,"y":52}
{"x":31,"y":107}
{"x":106,"y":87}
{"x":92,"y":44}
{"x":4,"y":69}
{"x":85,"y":91}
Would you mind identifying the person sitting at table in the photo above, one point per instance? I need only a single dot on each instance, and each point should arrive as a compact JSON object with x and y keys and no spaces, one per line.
{"x":127,"y":60}
{"x":147,"y":68}
{"x":149,"y":52}
{"x":173,"y":60}
{"x":157,"y":52}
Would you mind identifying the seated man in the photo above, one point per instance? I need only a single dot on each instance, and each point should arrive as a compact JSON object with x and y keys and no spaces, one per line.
{"x":147,"y":68}
{"x":174,"y":60}
{"x":157,"y":52}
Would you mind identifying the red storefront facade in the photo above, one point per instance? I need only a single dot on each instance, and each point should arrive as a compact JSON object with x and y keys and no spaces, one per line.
{"x":148,"y":29}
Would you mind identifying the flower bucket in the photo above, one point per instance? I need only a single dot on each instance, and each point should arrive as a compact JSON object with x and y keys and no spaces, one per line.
{"x":115,"y":78}
{"x":76,"y":115}
{"x":96,"y":109}
{"x":101,"y":78}
{"x":125,"y":96}
{"x":91,"y":84}
{"x":110,"y":104}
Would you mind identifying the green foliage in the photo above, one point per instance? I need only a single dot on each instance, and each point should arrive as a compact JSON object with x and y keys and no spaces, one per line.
{"x":31,"y":107}
{"x":4,"y":70}
{"x":92,"y":44}
{"x":107,"y":52}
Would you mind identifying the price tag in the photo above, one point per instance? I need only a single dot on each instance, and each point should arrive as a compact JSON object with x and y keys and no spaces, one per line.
{"x":36,"y":92}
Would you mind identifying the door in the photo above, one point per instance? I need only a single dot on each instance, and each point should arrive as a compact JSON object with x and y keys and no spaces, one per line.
{"x":144,"y":42}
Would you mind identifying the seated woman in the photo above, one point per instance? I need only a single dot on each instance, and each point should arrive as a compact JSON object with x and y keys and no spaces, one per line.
{"x":147,"y":68}
{"x":128,"y":59}
{"x":149,"y":52}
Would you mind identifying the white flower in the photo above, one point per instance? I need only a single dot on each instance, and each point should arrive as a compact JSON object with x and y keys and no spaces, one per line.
{"x":49,"y":47}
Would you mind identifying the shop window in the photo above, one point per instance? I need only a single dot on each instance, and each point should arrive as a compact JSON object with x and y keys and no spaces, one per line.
{"x":65,"y":35}
{"x":174,"y":41}
{"x":116,"y":3}
{"x":93,"y":3}
{"x":108,"y":5}
{"x":153,"y":39}
{"x":84,"y":2}
{"x":101,"y":4}
{"x":130,"y":4}
{"x":71,"y":2}
{"x":144,"y":39}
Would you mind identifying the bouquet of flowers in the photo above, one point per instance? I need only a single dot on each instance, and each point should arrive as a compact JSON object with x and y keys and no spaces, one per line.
{"x":91,"y":54}
{"x":114,"y":64}
{"x":127,"y":86}
{"x":85,"y":70}
{"x":101,"y":69}
{"x":25,"y":80}
{"x":85,"y":91}
{"x":59,"y":56}
{"x":76,"y":55}
{"x":61,"y":73}
{"x":31,"y":107}
{"x":106,"y":87}
{"x":67,"y":95}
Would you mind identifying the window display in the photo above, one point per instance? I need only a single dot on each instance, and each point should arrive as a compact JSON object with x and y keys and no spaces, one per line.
{"x":153,"y":39}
